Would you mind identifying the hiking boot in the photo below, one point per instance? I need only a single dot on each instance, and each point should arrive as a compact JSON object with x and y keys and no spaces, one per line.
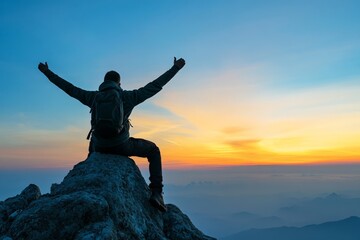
{"x":157,"y":201}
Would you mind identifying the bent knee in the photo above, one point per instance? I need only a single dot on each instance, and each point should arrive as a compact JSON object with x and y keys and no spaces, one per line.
{"x":154,"y":149}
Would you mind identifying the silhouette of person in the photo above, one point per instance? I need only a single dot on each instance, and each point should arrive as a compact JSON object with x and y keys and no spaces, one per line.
{"x":123,"y":144}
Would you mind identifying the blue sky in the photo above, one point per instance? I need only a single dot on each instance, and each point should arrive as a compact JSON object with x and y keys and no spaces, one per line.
{"x":252,"y":67}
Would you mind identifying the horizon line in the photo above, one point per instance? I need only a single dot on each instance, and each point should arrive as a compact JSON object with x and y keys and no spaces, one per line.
{"x":195,"y":166}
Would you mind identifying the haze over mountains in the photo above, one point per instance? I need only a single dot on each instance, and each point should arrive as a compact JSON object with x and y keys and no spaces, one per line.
{"x":346,"y":229}
{"x":225,"y":201}
{"x":304,"y":212}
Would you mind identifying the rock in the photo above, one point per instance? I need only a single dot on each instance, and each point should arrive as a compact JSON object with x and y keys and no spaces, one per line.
{"x":12,"y":207}
{"x":5,"y":238}
{"x":103,"y":197}
{"x":179,"y":226}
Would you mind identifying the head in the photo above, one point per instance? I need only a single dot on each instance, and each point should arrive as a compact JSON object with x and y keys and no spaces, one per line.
{"x":112,"y":76}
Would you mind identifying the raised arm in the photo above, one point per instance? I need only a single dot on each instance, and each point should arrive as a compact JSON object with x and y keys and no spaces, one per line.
{"x":85,"y":97}
{"x":155,"y":86}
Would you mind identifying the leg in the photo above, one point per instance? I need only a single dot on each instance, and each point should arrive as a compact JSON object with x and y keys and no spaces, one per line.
{"x":145,"y":148}
{"x":141,"y":148}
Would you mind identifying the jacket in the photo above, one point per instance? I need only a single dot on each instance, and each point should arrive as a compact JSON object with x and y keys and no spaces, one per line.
{"x":130,"y":99}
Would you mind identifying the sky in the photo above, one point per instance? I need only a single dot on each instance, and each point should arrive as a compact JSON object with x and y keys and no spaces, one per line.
{"x":265,"y":82}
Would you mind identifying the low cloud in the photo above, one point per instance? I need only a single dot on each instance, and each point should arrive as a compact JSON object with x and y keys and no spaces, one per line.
{"x":33,"y":147}
{"x":240,"y":144}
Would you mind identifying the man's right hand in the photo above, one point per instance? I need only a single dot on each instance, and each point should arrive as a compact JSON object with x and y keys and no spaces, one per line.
{"x":43,"y":67}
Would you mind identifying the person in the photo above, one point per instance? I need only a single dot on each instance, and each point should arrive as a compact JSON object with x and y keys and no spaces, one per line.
{"x":123,"y":144}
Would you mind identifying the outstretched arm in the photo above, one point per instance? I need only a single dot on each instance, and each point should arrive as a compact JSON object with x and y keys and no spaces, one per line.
{"x":155,"y":86}
{"x":85,"y":97}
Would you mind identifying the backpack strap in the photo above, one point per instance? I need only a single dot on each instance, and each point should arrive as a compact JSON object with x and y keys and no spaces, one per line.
{"x":91,"y":109}
{"x":89,"y":134}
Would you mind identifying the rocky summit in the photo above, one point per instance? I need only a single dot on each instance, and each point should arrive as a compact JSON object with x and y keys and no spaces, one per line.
{"x":103,"y":197}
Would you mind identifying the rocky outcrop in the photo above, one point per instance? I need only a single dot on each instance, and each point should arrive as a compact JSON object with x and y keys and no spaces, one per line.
{"x":103,"y":197}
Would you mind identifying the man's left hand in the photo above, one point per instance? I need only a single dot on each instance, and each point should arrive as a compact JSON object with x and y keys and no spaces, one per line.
{"x":43,"y":67}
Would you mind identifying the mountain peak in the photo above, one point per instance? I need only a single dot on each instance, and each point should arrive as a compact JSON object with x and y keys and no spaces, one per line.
{"x":333,"y":196}
{"x":103,"y":197}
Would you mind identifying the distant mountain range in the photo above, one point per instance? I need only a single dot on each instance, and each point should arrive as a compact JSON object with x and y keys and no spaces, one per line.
{"x":299,"y":213}
{"x":247,"y":220}
{"x":321,"y":209}
{"x":346,"y":229}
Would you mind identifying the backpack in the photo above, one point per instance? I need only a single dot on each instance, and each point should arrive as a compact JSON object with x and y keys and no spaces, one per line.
{"x":107,"y":114}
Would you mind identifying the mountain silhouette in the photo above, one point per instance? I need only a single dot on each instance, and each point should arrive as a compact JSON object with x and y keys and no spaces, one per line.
{"x":320,"y":209}
{"x":103,"y":197}
{"x":346,"y":229}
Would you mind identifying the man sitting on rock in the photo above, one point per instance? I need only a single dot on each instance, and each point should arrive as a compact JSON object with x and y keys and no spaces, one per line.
{"x":122,"y":143}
